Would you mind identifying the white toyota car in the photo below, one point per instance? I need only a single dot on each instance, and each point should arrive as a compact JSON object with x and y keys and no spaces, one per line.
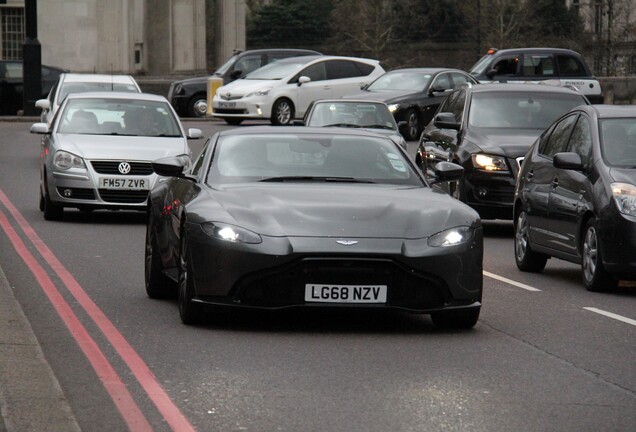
{"x":282,"y":91}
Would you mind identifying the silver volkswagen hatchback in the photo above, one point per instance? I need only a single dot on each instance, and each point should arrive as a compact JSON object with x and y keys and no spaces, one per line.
{"x":98,"y":149}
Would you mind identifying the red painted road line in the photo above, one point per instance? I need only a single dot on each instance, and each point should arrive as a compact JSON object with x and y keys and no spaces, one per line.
{"x":140,"y":370}
{"x":118,"y":392}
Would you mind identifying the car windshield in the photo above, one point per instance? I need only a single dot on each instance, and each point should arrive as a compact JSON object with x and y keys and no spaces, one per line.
{"x":85,"y":87}
{"x":319,"y":158}
{"x":481,"y":65}
{"x":398,"y":80}
{"x":106,"y":116}
{"x":277,"y":70}
{"x":618,"y":141}
{"x":519,"y":109}
{"x":352,"y":114}
{"x":226,"y":66}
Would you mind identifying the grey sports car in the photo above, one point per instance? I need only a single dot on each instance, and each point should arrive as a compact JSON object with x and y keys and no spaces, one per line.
{"x":98,"y":149}
{"x":271,"y":217}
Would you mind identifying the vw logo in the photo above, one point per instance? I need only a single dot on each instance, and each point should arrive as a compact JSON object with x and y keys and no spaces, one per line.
{"x":124,"y":167}
{"x":346,"y":242}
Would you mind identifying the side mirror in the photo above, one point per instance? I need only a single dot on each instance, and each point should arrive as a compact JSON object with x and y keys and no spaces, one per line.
{"x":169,"y":166}
{"x":40,"y":128}
{"x":43,"y":104}
{"x":194,"y":133}
{"x":446,"y":120}
{"x":447,"y":171}
{"x":491,"y":73}
{"x":236,"y":73}
{"x":568,"y":161}
{"x":363,"y":86}
{"x":303,"y":80}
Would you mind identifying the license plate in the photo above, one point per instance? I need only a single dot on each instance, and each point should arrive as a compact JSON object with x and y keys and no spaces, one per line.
{"x":227,"y":104}
{"x":328,"y":293}
{"x":124,"y":183}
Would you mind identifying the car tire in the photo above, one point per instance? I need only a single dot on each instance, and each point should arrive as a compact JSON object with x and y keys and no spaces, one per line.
{"x":158,"y":285}
{"x":282,"y":112}
{"x":527,"y":259}
{"x":52,"y":211}
{"x":189,"y":311}
{"x":412,"y":130}
{"x":456,"y":319}
{"x":233,"y":121}
{"x":193,"y":109}
{"x":595,"y":277}
{"x":41,"y":204}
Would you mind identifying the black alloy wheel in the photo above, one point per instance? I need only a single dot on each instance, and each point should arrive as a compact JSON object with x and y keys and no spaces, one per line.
{"x":198,"y":105}
{"x":189,"y":311}
{"x":412,"y":131}
{"x":526,"y":259}
{"x":595,"y":277}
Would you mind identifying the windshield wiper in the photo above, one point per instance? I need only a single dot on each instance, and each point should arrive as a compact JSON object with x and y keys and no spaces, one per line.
{"x":343,"y":125}
{"x":377,"y":126}
{"x":330,"y":179}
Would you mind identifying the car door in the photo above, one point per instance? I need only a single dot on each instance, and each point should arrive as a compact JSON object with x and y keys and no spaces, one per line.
{"x":543,"y":179}
{"x":317,"y":88}
{"x":570,"y":194}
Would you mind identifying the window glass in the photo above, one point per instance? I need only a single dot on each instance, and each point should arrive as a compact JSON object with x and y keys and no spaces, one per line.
{"x":84,"y":87}
{"x":506,"y":66}
{"x":618,"y":141}
{"x":401,"y":80}
{"x":448,"y":102}
{"x":442,"y":82}
{"x":248,"y":64}
{"x":364,"y":68}
{"x":570,"y":66}
{"x":13,"y":70}
{"x":196,"y":168}
{"x":558,"y":141}
{"x":581,"y":140}
{"x":317,"y":71}
{"x":538,"y":65}
{"x":338,"y":69}
{"x":458,"y":106}
{"x":459,"y":79}
{"x":278,"y":70}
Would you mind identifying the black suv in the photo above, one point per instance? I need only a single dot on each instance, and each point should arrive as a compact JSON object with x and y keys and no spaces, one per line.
{"x":562,"y":67}
{"x":488,"y":129}
{"x":189,"y":97}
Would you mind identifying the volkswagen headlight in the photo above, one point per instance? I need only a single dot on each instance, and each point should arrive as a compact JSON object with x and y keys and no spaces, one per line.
{"x":451,"y":237}
{"x":489,"y":162}
{"x":625,"y":197}
{"x":260,"y":92}
{"x":231,"y":233}
{"x":65,"y":160}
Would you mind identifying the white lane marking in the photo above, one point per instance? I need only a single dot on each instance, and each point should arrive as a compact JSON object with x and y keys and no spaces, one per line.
{"x":612,"y":315}
{"x":510,"y":281}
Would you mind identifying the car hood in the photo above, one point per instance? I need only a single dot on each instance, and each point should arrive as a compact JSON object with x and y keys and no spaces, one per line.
{"x":335,"y":210}
{"x":388,"y":96}
{"x":512,"y":143}
{"x":244,"y":86}
{"x":122,"y":147}
{"x":623,"y":175}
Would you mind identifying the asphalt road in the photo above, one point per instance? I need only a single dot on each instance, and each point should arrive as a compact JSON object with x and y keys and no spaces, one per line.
{"x":546,"y":355}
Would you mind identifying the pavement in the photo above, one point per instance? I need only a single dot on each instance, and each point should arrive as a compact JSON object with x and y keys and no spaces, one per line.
{"x":31,"y":399}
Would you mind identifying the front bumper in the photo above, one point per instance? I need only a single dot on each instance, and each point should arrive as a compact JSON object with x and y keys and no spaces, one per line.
{"x":79,"y":188}
{"x":618,"y":243}
{"x":247,"y":108}
{"x":273,"y":274}
{"x":491,"y":193}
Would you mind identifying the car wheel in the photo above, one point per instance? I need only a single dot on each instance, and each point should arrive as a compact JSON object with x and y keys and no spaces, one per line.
{"x":197,"y":106}
{"x":527,"y":260}
{"x":52,"y":211}
{"x":595,"y":278}
{"x":189,"y":311}
{"x":282,"y":112}
{"x":412,"y":131}
{"x":158,"y":285}
{"x":456,"y":319}
{"x":41,"y":204}
{"x":233,"y":121}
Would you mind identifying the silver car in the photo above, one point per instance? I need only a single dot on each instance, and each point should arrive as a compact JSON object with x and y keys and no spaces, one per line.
{"x":98,"y":149}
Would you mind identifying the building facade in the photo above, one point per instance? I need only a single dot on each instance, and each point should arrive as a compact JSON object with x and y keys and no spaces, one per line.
{"x":141,"y":37}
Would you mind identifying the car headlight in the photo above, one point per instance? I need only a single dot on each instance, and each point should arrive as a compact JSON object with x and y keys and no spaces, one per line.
{"x":65,"y":160}
{"x":451,"y":237}
{"x":625,"y":197}
{"x":489,"y":162}
{"x":260,"y":92}
{"x":231,"y":233}
{"x":393,"y":108}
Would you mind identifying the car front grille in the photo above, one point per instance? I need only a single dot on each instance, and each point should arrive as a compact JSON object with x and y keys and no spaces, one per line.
{"x":112,"y":167}
{"x":286,"y":286}
{"x":123,"y":196}
{"x":229,"y":111}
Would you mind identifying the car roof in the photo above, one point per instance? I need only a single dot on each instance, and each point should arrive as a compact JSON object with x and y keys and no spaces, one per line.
{"x":80,"y":77}
{"x":535,"y":50}
{"x":611,"y":111}
{"x":299,"y":130}
{"x":276,"y":50}
{"x":540,"y":87}
{"x":310,"y":58}
{"x":320,"y":101}
{"x":426,"y":70}
{"x":118,"y":95}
